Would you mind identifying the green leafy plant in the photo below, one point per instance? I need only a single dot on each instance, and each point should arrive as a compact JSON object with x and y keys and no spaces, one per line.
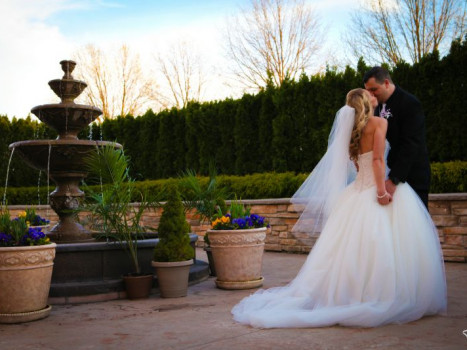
{"x":207,"y":198}
{"x":173,"y":231}
{"x":112,"y":212}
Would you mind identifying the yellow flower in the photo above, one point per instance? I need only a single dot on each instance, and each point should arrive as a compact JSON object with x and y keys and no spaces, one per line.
{"x":22,"y":214}
{"x":215,"y":222}
{"x":225,"y":220}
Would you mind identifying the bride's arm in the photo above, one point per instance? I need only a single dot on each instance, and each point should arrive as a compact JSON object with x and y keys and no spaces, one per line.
{"x":379,"y":171}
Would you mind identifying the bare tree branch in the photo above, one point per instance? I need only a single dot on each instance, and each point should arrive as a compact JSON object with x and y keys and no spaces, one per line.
{"x":272,"y":40}
{"x":116,"y":82}
{"x":184,"y":74}
{"x":405,"y":30}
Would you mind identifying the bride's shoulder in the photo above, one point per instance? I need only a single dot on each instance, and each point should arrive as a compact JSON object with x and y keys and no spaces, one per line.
{"x":378,"y":122}
{"x":374,"y":119}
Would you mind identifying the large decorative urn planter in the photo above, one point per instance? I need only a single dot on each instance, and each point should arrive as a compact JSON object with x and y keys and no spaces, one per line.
{"x":25,"y":275}
{"x":238,"y":257}
{"x":172,"y":277}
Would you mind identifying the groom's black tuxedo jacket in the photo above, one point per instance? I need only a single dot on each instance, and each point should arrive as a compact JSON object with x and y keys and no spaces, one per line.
{"x":408,"y":156}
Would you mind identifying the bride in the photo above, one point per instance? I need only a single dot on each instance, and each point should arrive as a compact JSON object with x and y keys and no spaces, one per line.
{"x":377,"y":259}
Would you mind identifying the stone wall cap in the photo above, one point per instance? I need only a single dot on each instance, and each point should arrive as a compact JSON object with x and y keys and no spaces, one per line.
{"x":447,"y":196}
{"x":432,"y":197}
{"x":263,"y":201}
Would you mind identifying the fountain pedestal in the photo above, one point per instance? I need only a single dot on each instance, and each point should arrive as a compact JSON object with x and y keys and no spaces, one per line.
{"x":65,"y":200}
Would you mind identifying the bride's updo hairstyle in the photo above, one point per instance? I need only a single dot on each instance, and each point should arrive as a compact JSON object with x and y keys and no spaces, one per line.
{"x":358,"y":100}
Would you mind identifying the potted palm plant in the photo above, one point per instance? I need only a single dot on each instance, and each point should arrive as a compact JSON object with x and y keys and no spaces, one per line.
{"x":237,"y":243}
{"x":113,"y":215}
{"x":26,"y":263}
{"x":173,"y":255}
{"x":206,"y":199}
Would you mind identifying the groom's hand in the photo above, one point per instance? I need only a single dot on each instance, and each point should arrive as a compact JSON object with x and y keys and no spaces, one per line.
{"x":390,"y":187}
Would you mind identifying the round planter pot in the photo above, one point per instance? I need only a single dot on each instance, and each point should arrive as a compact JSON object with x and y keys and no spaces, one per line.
{"x":138,"y":286}
{"x":25,"y":275}
{"x":173,"y":277}
{"x":212,"y":267}
{"x":238,"y":257}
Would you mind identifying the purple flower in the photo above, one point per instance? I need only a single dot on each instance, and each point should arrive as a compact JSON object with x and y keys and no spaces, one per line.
{"x":39,"y":221}
{"x":5,"y":239}
{"x":240,"y":222}
{"x":33,"y":236}
{"x":386,"y":114}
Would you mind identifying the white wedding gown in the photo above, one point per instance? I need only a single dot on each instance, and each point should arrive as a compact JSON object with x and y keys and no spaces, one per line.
{"x":372,"y":265}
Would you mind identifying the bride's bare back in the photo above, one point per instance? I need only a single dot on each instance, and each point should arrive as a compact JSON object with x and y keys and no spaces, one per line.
{"x":374,"y":139}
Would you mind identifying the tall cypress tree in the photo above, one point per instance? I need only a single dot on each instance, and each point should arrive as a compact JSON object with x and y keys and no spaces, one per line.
{"x":226,"y":152}
{"x":246,"y":135}
{"x":267,"y":113}
{"x":192,"y":132}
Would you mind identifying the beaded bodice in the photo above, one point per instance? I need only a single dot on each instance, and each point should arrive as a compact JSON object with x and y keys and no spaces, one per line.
{"x":365,"y":177}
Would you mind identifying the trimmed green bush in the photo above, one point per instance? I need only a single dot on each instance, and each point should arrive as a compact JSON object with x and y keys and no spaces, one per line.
{"x":174,"y":241}
{"x":449,"y":177}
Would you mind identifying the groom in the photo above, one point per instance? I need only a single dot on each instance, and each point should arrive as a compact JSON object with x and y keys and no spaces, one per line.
{"x":408,"y":156}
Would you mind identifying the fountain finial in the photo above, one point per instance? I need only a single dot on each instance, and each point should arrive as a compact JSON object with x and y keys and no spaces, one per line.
{"x":68,"y":66}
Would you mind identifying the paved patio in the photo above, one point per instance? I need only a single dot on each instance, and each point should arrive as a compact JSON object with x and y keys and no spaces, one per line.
{"x":202,"y":320}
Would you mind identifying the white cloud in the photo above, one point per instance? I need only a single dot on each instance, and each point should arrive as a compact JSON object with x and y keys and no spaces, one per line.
{"x":31,"y":51}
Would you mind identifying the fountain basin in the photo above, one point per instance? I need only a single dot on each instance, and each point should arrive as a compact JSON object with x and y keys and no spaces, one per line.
{"x":87,"y":272}
{"x":67,"y":118}
{"x":67,"y":89}
{"x":64,"y":155}
{"x":63,"y":161}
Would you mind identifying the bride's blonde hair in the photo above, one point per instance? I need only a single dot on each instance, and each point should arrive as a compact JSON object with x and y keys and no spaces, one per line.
{"x":358,"y":99}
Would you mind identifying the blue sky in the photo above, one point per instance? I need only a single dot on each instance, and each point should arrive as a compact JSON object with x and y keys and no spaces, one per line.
{"x":132,"y":17}
{"x":36,"y":34}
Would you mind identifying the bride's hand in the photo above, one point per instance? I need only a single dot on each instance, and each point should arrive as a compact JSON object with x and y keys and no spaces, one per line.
{"x":384,"y":199}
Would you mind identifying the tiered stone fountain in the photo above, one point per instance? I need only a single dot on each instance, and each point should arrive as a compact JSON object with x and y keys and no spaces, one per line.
{"x":62,"y":159}
{"x":84,"y":270}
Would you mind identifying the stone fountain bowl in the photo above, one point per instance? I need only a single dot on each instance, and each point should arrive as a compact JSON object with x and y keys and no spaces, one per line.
{"x":68,"y":119}
{"x":63,"y":155}
{"x":67,"y":90}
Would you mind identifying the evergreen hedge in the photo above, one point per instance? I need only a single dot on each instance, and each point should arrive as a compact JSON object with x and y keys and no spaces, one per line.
{"x":449,"y":177}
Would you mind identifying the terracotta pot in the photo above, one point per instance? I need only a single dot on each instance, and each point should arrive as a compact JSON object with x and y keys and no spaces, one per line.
{"x":138,"y":286}
{"x":173,"y":277}
{"x":25,"y":275}
{"x":212,"y":267}
{"x":238,"y":257}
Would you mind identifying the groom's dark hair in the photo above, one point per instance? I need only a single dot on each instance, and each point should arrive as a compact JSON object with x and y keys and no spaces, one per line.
{"x":379,"y":73}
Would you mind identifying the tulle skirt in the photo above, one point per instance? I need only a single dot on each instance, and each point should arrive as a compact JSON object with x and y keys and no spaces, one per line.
{"x":372,"y":265}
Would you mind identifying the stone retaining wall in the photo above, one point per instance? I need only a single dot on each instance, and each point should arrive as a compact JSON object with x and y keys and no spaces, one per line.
{"x":448,"y":211}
